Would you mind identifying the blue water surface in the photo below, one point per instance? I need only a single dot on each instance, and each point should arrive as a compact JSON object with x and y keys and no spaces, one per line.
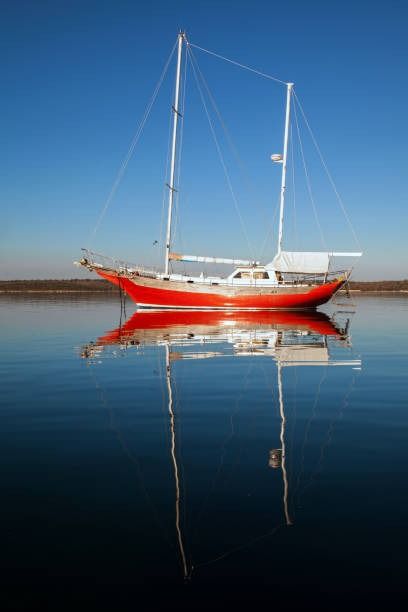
{"x":204,"y":463}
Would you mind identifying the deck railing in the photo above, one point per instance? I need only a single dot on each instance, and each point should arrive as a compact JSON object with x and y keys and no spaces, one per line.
{"x":119,"y":266}
{"x":97,"y":260}
{"x":298,"y":278}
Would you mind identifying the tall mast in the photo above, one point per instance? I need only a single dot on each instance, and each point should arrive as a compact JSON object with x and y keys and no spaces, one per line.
{"x":285,"y":154}
{"x":171,"y":185}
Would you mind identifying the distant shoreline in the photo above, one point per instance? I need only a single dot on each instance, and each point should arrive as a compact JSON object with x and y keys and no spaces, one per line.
{"x":100,"y":286}
{"x":57,"y":286}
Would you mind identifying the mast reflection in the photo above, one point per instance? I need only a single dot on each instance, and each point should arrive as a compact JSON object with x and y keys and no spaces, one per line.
{"x":291,"y":339}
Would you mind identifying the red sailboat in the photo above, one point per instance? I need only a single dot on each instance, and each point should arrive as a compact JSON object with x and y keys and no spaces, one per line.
{"x":292,"y":280}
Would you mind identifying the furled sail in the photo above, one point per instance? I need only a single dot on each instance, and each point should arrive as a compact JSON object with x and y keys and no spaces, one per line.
{"x":295,"y":355}
{"x":308,"y":262}
{"x":217,"y":260}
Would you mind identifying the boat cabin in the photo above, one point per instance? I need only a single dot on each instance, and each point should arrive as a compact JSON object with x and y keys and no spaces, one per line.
{"x":259,"y":275}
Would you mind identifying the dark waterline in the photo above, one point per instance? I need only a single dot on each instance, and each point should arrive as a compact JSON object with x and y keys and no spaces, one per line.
{"x":146,"y":458}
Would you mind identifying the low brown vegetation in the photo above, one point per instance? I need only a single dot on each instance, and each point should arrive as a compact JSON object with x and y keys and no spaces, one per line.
{"x":391,"y":285}
{"x":75,"y":284}
{"x":100,"y":285}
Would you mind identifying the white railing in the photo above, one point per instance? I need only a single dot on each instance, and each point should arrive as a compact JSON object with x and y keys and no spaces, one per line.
{"x":97,"y":260}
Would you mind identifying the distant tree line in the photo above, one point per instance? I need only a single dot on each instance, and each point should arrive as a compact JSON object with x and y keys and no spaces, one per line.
{"x":391,"y":285}
{"x":99,"y":285}
{"x":75,"y":284}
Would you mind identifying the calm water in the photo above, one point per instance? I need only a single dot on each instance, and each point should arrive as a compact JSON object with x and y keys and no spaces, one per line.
{"x":202,"y":457}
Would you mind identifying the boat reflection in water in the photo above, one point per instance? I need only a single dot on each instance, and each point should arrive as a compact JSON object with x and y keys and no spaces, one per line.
{"x":291,"y":339}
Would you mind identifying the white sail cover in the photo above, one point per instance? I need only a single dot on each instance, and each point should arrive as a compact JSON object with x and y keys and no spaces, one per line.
{"x":297,"y":355}
{"x":205,"y":259}
{"x":302,"y":261}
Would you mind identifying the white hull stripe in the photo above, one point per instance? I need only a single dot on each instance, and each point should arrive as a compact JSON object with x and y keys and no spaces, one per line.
{"x":224,"y":308}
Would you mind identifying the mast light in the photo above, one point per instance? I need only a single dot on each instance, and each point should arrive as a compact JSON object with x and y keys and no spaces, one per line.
{"x":277,"y":158}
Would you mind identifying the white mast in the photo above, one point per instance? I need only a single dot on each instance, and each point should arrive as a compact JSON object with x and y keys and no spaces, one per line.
{"x":171,"y":186}
{"x":285,"y":153}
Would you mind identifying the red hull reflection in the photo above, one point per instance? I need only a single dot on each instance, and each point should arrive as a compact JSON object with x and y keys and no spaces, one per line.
{"x":145,"y":326}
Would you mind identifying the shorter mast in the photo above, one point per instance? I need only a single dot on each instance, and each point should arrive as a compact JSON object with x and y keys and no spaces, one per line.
{"x":170,"y":185}
{"x":284,"y":158}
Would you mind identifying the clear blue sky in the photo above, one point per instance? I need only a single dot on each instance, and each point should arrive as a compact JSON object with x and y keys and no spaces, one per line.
{"x":76,"y":77}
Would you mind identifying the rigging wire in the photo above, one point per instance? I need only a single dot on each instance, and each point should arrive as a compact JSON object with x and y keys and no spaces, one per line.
{"x":175,"y":466}
{"x":306,"y":433}
{"x":292,"y":446}
{"x":295,"y":227}
{"x":270,"y":230}
{"x":178,"y":411}
{"x":240,"y":547}
{"x":309,"y":187}
{"x":178,"y":161}
{"x":192,"y":60}
{"x":224,"y":449}
{"x":234,"y":151}
{"x":122,"y":298}
{"x":132,"y":146}
{"x":166,"y":173}
{"x":258,"y":72}
{"x":329,"y":176}
{"x":162,"y":370}
{"x":133,"y":458}
{"x":328,"y":438}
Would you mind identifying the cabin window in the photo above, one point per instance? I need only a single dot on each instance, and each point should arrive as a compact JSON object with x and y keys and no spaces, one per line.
{"x":260,"y":275}
{"x":237,"y":275}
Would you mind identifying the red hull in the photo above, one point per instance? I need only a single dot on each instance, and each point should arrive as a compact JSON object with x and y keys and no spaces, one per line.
{"x":155,"y":297}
